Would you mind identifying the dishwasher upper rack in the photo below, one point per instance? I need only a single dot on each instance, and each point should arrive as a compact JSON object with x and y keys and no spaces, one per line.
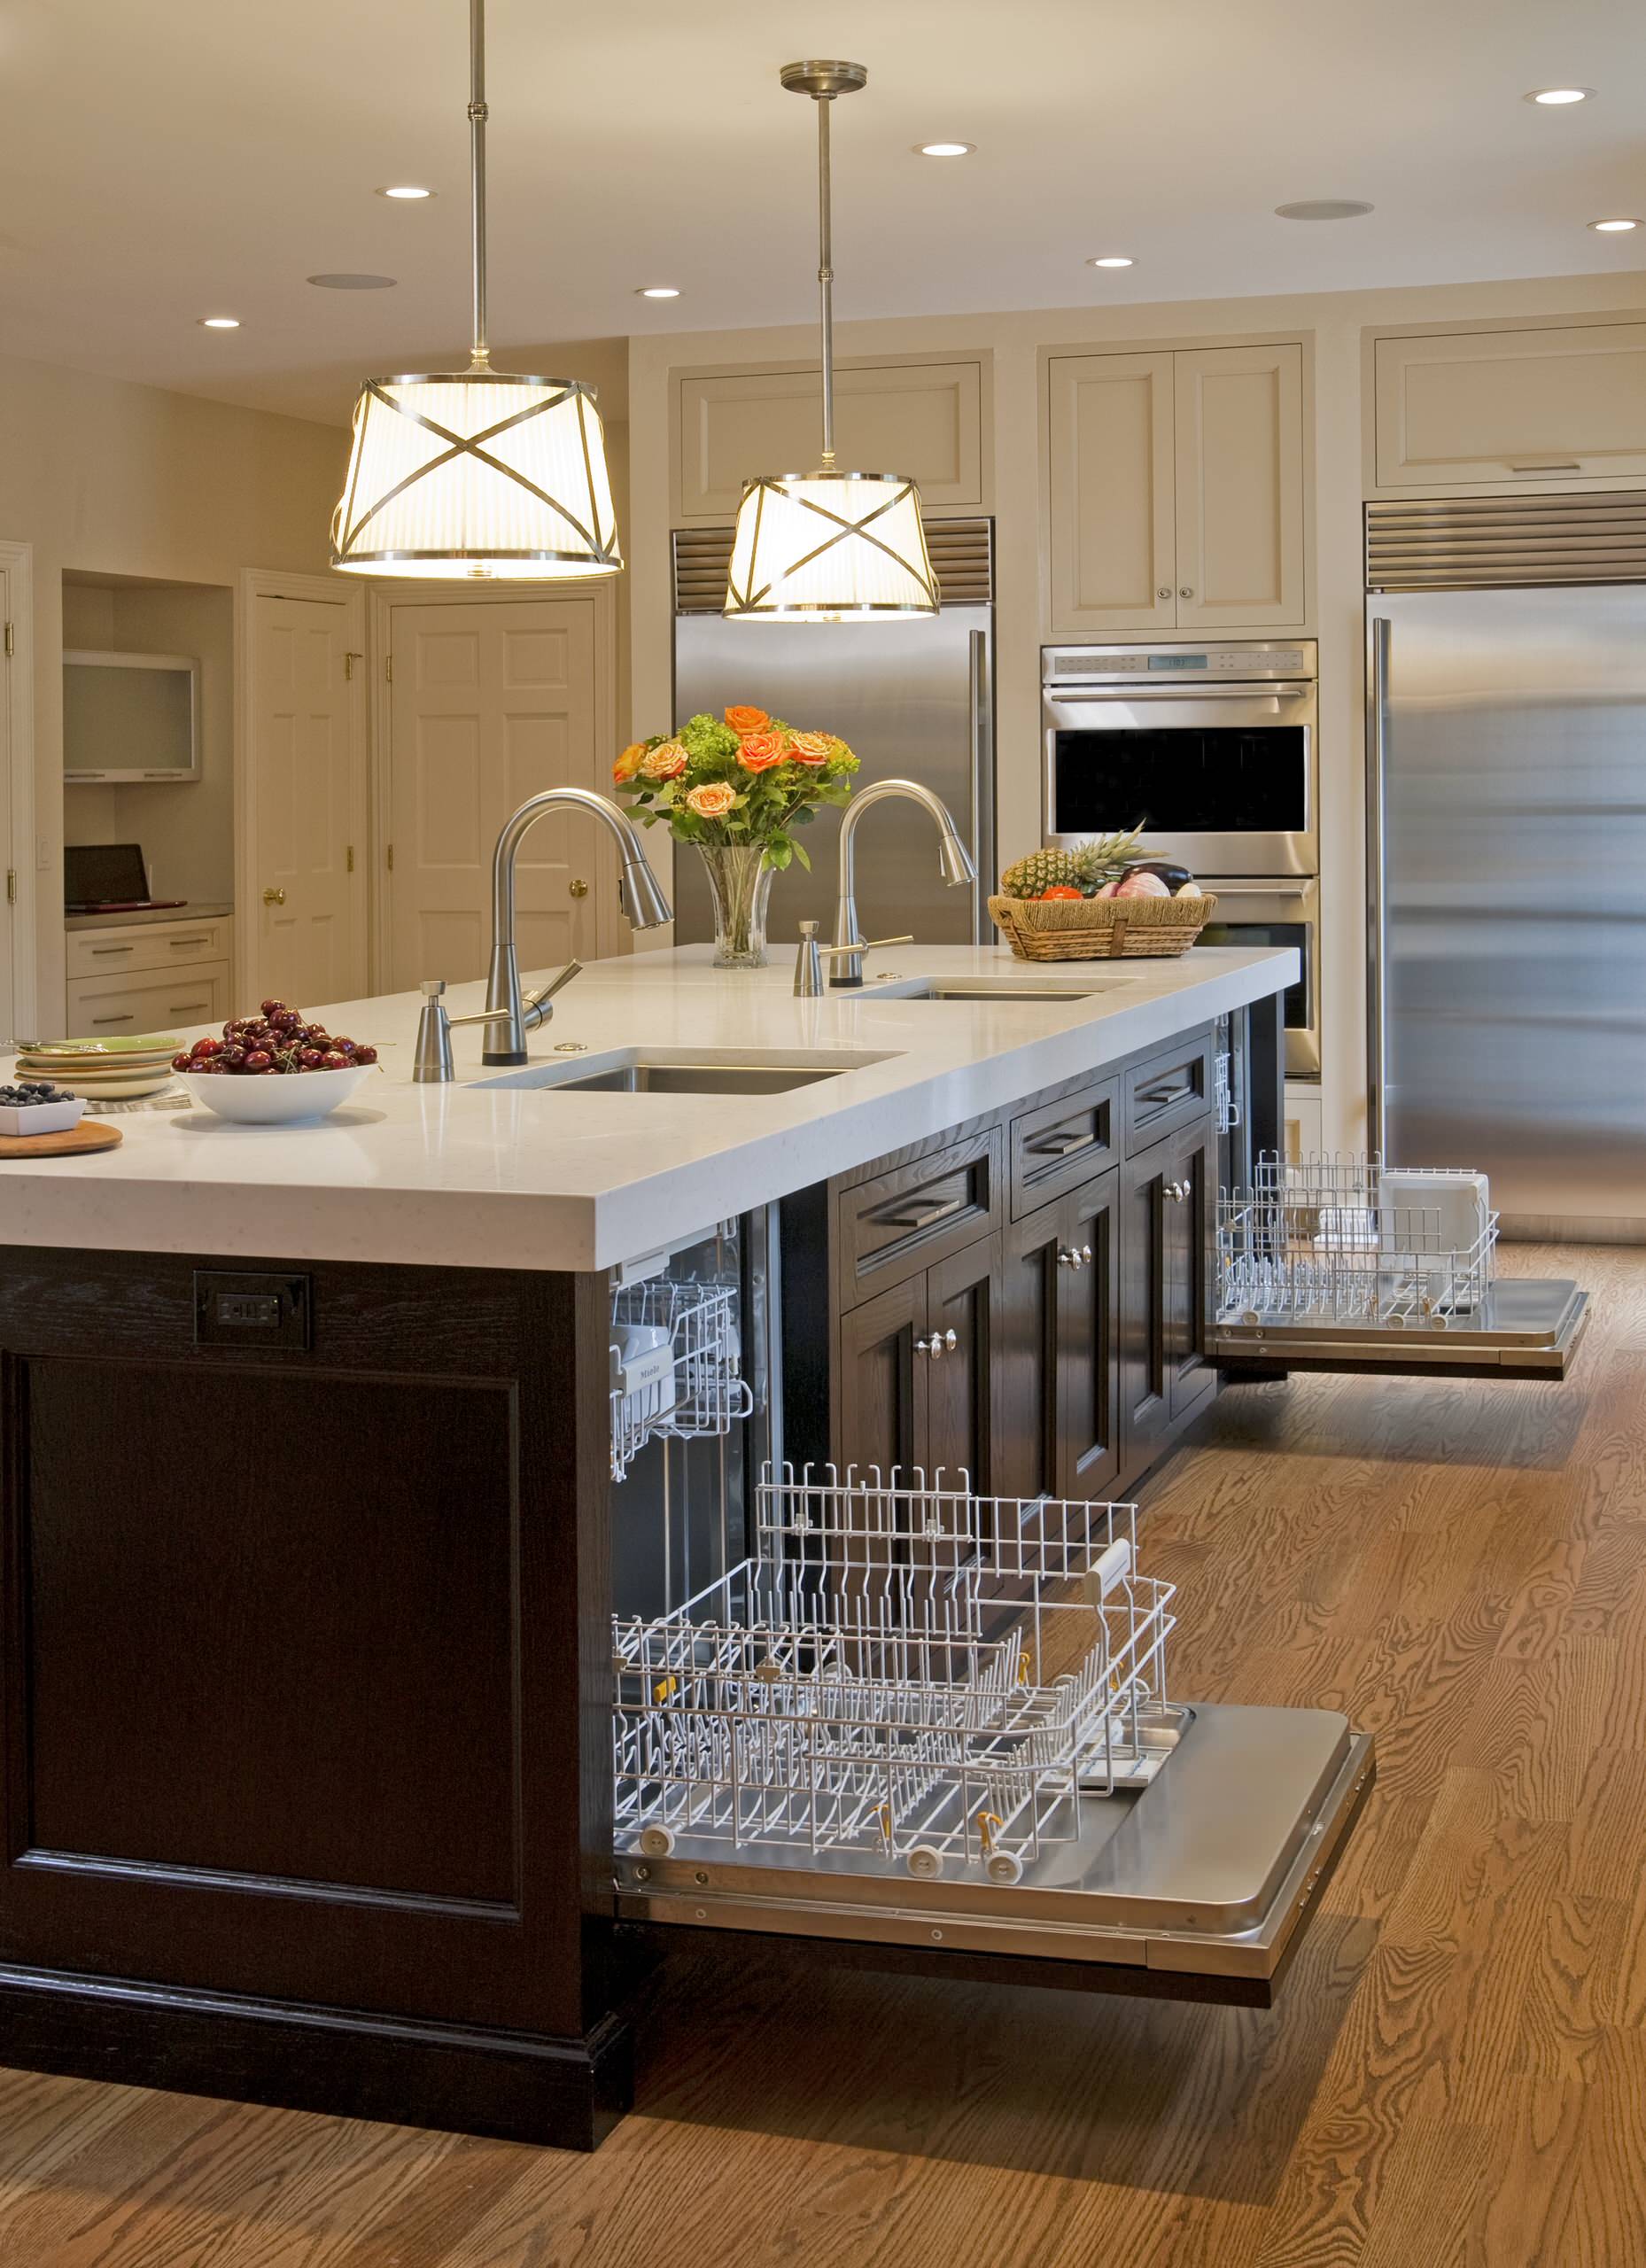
{"x":700,"y":1390}
{"x":886,"y":1679}
{"x":1346,"y":1239}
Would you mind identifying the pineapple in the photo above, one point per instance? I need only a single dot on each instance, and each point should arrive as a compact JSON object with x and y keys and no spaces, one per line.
{"x":1085,"y":868}
{"x":1041,"y":871}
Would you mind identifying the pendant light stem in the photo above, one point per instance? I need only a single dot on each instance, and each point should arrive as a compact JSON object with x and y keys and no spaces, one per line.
{"x":482,"y":355}
{"x":826,"y":277}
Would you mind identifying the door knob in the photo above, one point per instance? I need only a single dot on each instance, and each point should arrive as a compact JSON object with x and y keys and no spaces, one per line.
{"x":274,"y":897}
{"x":577,"y":888}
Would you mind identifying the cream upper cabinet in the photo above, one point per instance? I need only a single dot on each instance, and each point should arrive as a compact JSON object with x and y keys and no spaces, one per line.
{"x":924,"y":419}
{"x":1239,"y":480}
{"x":1113,"y":533}
{"x":1501,"y":406}
{"x":1176,"y":497}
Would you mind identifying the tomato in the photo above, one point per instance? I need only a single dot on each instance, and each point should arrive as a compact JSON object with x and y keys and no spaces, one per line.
{"x":1059,"y":890}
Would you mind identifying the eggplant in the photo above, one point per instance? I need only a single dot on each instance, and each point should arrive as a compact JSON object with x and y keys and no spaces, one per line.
{"x":1173,"y":876}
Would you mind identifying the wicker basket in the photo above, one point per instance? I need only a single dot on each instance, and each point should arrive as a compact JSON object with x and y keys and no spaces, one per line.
{"x":1100,"y":929}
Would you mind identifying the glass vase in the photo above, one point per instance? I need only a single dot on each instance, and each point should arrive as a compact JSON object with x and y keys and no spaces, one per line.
{"x":739,"y":883}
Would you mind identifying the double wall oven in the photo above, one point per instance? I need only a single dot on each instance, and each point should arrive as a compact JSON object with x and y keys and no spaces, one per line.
{"x":1214,"y":748}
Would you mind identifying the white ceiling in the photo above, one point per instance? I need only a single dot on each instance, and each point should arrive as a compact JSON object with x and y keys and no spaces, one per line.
{"x":163,"y":161}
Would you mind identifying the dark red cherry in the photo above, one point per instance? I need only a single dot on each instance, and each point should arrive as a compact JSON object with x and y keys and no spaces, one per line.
{"x":259,"y":1059}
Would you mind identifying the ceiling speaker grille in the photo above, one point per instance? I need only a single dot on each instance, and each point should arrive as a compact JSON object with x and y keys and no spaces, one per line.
{"x":962,"y":556}
{"x":1472,"y":542}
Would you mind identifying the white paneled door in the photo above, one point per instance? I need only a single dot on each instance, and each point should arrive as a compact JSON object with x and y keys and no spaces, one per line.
{"x":10,"y":663}
{"x":491,"y":702}
{"x":308,"y":791}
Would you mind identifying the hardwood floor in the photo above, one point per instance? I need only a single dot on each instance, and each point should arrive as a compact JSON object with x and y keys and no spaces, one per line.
{"x":1456,"y":2074}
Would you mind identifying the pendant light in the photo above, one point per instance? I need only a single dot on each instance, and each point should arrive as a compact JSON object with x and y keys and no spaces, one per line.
{"x":828,"y":546}
{"x":482,"y":473}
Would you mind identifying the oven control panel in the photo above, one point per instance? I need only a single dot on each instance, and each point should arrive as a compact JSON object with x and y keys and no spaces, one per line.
{"x":1107,"y":664}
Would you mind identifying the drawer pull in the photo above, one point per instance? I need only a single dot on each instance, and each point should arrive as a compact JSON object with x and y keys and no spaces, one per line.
{"x":128,"y":1018}
{"x":925,"y":1212}
{"x":101,"y":952}
{"x":175,"y":941}
{"x":1167,"y":1094}
{"x":1061,"y":1146}
{"x":186,"y":1007}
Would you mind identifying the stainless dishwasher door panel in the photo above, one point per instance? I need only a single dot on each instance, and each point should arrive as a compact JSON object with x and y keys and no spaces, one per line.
{"x":1208,"y":1872}
{"x":913,"y":700}
{"x":1513,"y":870}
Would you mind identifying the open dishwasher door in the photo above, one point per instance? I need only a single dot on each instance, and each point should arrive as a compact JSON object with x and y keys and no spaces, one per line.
{"x":937,"y":1725}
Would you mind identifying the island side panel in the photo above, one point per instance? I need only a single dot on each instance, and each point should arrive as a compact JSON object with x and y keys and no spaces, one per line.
{"x":304,"y":1684}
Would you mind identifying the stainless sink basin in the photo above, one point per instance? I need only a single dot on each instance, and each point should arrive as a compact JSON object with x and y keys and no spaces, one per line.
{"x":700,"y":1078}
{"x":688,"y":1071}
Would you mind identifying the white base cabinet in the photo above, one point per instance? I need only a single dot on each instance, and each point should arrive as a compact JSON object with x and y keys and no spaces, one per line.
{"x":148,"y":976}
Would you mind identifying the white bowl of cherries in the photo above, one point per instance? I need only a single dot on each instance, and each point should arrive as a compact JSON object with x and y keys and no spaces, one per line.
{"x":274,"y":1068}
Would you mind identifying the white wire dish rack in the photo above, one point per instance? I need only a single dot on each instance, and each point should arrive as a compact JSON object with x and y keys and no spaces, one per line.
{"x":1222,"y":1094}
{"x":906,"y":1672}
{"x":1350,"y":1240}
{"x":676,"y":1364}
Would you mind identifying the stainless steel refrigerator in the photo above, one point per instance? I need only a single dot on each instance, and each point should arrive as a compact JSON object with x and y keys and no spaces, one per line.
{"x":913,"y":699}
{"x":1507,"y":834}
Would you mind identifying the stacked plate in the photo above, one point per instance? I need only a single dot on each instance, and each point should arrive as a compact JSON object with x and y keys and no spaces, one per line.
{"x":103,"y":1071}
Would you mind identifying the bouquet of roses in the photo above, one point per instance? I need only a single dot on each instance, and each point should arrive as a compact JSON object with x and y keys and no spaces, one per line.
{"x":743,"y":783}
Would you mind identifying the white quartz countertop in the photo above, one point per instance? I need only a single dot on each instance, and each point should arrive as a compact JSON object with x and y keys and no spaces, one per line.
{"x":497,"y":1170}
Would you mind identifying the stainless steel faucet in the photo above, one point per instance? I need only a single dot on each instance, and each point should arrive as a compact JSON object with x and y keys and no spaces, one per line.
{"x":810,"y":959}
{"x":954,"y":863}
{"x":643,"y":902}
{"x":432,"y":1057}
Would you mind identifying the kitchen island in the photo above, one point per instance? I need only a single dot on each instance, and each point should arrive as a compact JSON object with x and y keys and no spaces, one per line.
{"x":311,"y":1541}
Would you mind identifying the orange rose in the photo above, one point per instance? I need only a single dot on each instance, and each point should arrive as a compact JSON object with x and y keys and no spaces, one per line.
{"x":744,"y":720}
{"x":666,"y":761}
{"x":712,"y":800}
{"x":810,"y":747}
{"x":761,"y":750}
{"x":629,"y":763}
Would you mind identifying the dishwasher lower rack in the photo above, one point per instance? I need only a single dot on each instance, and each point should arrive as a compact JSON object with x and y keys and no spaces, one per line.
{"x":927,"y":1679}
{"x":676,"y":1364}
{"x":1348,"y":1240}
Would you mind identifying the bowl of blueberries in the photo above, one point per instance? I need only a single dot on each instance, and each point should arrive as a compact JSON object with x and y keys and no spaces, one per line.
{"x":35,"y":1107}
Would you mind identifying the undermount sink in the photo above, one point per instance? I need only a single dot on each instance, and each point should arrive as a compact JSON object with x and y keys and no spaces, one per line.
{"x":682,"y":1071}
{"x":1009,"y":987}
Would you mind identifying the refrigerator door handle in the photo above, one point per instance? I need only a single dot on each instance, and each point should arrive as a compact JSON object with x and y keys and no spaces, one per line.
{"x":1377,"y":645}
{"x":983,"y":842}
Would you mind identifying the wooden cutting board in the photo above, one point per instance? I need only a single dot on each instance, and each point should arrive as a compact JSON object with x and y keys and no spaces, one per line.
{"x":68,"y":1142}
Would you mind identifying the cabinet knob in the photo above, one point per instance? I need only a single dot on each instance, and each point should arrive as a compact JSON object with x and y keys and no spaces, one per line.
{"x":274,"y":897}
{"x":1164,"y":592}
{"x":940,"y":1343}
{"x":1178,"y":1190}
{"x":1085,"y":1255}
{"x":1184,"y":591}
{"x":1070,"y":1257}
{"x":577,"y":888}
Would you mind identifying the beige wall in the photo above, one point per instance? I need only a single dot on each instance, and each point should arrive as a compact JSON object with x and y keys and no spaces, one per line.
{"x":120,"y":479}
{"x":1016,"y":343}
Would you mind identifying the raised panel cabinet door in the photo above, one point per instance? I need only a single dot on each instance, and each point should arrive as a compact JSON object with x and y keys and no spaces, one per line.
{"x":963,"y":1299}
{"x":1145,"y":1384}
{"x":1240,"y":486}
{"x":920,"y":419}
{"x":1088,"y":1312}
{"x":881,"y":1398}
{"x":1564,"y":403}
{"x":1110,"y":456}
{"x":1025,"y":1461}
{"x":1189,"y":1180}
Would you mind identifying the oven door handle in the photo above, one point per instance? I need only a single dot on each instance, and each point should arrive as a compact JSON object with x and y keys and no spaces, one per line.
{"x":1261,"y":889}
{"x":1059,"y":696}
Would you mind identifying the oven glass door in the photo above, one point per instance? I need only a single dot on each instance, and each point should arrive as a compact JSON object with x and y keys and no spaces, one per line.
{"x":1224,"y":785}
{"x":1296,"y":928}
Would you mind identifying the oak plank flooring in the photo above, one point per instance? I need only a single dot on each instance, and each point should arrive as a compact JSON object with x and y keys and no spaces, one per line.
{"x":1455,"y":2078}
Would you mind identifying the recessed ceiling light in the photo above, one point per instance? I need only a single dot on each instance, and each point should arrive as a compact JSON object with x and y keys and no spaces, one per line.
{"x":1614,"y":227}
{"x":219,"y":322}
{"x":407,"y":191}
{"x":1111,"y":260}
{"x":1322,"y":209}
{"x":355,"y":283}
{"x":944,"y":148}
{"x":657,"y":292}
{"x":1555,"y":97}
